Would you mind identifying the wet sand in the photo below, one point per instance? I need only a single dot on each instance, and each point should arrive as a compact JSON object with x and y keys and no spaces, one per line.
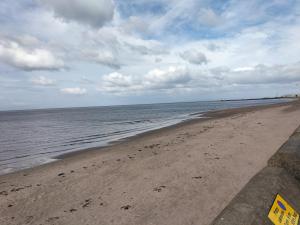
{"x":184,"y":174}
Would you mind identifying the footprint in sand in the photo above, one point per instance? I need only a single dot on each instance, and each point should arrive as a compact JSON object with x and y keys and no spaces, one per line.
{"x":20,"y":188}
{"x":126,"y":207}
{"x":28,"y":219}
{"x":51,"y":219}
{"x":86,"y":203}
{"x":4,"y":193}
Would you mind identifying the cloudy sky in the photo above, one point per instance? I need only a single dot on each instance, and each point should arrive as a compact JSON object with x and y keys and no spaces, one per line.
{"x":64,"y":53}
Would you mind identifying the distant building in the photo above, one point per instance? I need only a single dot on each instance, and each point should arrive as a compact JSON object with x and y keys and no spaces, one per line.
{"x":291,"y":96}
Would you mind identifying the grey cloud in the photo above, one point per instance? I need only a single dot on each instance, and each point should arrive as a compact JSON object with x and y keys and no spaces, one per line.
{"x":92,"y":12}
{"x":135,"y":24}
{"x":208,"y":17}
{"x":104,"y":57}
{"x":219,"y":73}
{"x":213,"y":47}
{"x":146,"y":48}
{"x":194,"y":57}
{"x":262,"y":74}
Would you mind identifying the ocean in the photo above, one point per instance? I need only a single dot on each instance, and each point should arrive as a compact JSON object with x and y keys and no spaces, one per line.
{"x":33,"y":137}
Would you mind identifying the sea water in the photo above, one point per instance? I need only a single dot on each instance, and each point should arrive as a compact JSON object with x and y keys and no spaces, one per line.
{"x":33,"y":137}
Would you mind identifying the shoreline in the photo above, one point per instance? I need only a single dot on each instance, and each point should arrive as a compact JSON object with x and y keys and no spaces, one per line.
{"x":184,"y":174}
{"x":208,"y":115}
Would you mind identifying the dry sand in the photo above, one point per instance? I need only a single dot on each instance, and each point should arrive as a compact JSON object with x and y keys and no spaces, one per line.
{"x":185,"y":174}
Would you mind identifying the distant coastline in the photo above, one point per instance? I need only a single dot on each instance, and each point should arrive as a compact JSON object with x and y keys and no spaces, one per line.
{"x":257,"y":99}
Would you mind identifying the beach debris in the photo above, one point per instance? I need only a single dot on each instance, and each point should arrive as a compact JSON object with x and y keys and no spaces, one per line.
{"x":61,"y":174}
{"x":159,"y":189}
{"x":86,"y":203}
{"x":126,"y":207}
{"x":198,"y":177}
{"x":10,"y":205}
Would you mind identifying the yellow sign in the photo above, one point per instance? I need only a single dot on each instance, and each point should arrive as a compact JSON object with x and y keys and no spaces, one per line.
{"x":282,"y":213}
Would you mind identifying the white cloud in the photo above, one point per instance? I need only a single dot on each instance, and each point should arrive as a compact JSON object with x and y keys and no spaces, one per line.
{"x":43,"y":81}
{"x":74,"y":91}
{"x":180,"y":78}
{"x":119,"y":83}
{"x":194,"y":57}
{"x":92,"y":12}
{"x":243,"y":69}
{"x":173,"y":77}
{"x":141,"y":49}
{"x":14,"y":54}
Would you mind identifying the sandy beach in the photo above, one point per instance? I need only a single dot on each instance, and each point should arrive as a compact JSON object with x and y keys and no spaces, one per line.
{"x":184,"y":174}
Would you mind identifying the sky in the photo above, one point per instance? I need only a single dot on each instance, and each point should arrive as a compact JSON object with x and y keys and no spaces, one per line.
{"x":72,"y":53}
